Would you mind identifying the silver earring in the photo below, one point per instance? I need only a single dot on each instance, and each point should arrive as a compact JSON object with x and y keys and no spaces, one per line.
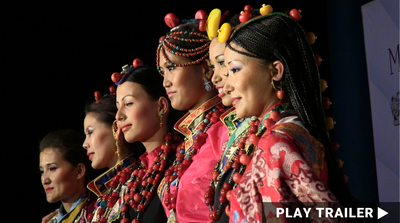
{"x":207,"y":84}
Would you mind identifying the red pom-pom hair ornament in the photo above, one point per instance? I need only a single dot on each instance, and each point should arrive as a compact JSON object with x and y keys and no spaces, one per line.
{"x":326,"y":103}
{"x":318,"y":59}
{"x":116,"y":77}
{"x":137,"y":62}
{"x":295,"y":14}
{"x":224,"y":16}
{"x":201,"y":14}
{"x":112,"y":90}
{"x":171,"y":20}
{"x":203,"y":25}
{"x":248,"y":8}
{"x":97,"y":96}
{"x":245,"y":16}
{"x":335,"y":146}
{"x":161,"y":39}
{"x":225,"y":30}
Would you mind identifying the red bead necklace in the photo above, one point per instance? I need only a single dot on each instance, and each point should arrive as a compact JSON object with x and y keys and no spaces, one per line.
{"x":141,"y":186}
{"x":194,"y":37}
{"x":239,"y":163}
{"x":184,"y":157}
{"x":110,"y":197}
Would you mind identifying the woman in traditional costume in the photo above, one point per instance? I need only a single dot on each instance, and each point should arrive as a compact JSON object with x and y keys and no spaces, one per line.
{"x":144,"y":114}
{"x":237,"y":127}
{"x":182,"y":59}
{"x":286,"y":159}
{"x":65,"y":171}
{"x":106,"y":148}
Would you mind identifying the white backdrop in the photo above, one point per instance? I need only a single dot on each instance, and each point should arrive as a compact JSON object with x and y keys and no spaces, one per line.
{"x":381,"y":35}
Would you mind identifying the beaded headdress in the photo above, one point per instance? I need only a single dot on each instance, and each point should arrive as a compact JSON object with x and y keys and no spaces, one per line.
{"x":98,"y":96}
{"x":171,"y":41}
{"x":118,"y":77}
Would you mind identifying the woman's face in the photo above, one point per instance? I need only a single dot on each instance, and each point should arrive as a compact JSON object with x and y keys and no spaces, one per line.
{"x":184,"y":85}
{"x":249,"y":84}
{"x":137,"y":114}
{"x":59,"y":177}
{"x":220,"y":75}
{"x":99,"y":142}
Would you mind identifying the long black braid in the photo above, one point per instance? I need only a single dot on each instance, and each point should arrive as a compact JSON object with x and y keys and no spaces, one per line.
{"x":279,"y":37}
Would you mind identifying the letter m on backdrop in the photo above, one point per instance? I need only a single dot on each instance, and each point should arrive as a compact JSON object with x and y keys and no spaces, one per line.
{"x":394,"y":58}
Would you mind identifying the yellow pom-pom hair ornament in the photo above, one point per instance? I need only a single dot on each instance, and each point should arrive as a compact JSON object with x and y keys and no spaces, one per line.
{"x":266,"y":9}
{"x":213,"y":22}
{"x":225,"y":31}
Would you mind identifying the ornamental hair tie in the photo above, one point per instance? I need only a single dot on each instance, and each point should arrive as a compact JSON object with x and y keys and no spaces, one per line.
{"x":117,"y":78}
{"x":98,"y":97}
{"x":171,"y":41}
{"x":225,"y":31}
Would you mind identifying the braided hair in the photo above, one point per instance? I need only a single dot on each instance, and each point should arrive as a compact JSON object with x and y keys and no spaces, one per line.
{"x":277,"y":36}
{"x":187,"y":41}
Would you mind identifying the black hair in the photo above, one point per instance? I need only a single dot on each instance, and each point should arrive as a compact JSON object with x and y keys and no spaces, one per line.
{"x":187,"y":29}
{"x":105,"y":110}
{"x":185,"y":40}
{"x":279,"y":37}
{"x":69,"y":143}
{"x":152,"y":83}
{"x":234,"y":20}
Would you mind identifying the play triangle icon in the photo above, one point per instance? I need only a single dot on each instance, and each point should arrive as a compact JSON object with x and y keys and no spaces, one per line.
{"x":381,"y":213}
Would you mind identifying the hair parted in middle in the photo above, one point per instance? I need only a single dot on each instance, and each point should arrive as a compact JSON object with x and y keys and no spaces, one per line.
{"x":152,"y":83}
{"x":278,"y":37}
{"x":185,"y":40}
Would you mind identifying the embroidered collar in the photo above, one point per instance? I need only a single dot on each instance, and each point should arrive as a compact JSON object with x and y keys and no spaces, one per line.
{"x":75,"y":209}
{"x":148,"y":158}
{"x":189,"y":122}
{"x":230,"y":120}
{"x":279,"y":106}
{"x":99,"y":185}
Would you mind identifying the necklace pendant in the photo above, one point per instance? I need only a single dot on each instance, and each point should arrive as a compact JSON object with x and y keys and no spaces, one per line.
{"x":171,"y":218}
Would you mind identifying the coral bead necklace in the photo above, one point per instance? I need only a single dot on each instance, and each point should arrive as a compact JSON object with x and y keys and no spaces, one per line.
{"x":240,"y":160}
{"x":184,"y":157}
{"x":106,"y":202}
{"x":141,"y":184}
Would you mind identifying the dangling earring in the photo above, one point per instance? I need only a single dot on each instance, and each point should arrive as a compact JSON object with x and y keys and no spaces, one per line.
{"x":161,"y":115}
{"x":279,"y":91}
{"x":207,"y":84}
{"x":114,"y":130}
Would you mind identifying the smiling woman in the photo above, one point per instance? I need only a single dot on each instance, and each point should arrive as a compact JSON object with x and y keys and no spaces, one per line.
{"x":100,"y":142}
{"x":143,"y":116}
{"x":65,"y":171}
{"x":182,"y":59}
{"x":288,"y":141}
